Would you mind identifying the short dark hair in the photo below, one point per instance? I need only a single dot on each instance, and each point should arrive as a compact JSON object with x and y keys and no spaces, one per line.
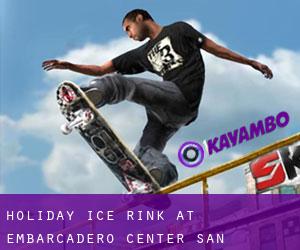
{"x":131,"y":15}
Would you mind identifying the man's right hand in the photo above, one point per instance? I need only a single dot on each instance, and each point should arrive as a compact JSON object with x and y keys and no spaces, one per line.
{"x":92,"y":70}
{"x":55,"y":64}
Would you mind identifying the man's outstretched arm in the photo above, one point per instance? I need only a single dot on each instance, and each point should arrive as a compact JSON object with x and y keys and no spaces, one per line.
{"x":222,"y":52}
{"x":93,"y":70}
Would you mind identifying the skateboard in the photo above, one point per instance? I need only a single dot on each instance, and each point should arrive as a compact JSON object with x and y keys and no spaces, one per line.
{"x":83,"y":116}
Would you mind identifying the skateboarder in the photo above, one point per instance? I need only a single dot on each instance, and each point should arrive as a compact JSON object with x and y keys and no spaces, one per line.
{"x":172,"y":52}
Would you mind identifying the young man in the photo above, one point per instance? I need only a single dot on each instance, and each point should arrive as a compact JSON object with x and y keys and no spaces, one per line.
{"x":172,"y":52}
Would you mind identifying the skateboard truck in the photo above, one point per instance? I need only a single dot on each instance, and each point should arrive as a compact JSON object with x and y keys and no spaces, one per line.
{"x":83,"y":118}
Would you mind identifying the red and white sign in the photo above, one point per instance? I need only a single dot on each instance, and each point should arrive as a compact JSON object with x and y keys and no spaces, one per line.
{"x":276,"y":168}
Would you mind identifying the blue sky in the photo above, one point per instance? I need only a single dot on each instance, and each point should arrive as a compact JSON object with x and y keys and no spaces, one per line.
{"x":32,"y":31}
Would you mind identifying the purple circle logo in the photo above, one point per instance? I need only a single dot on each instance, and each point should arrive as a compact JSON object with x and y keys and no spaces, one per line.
{"x":191,"y":154}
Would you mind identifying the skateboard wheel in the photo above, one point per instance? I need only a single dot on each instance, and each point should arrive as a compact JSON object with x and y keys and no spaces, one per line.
{"x":68,"y":94}
{"x":65,"y":129}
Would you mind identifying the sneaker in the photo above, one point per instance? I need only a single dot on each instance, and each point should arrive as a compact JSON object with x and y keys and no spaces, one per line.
{"x":136,"y":187}
{"x":139,"y":187}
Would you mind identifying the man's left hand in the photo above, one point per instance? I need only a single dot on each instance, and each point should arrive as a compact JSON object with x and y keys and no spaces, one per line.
{"x":264,"y":69}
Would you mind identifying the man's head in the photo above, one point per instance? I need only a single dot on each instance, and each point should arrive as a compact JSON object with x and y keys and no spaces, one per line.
{"x":135,"y":24}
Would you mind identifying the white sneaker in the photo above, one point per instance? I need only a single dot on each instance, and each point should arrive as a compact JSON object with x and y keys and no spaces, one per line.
{"x":138,"y":187}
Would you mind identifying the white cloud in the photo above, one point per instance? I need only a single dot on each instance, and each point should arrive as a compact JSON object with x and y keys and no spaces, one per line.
{"x":74,"y":168}
{"x":218,"y":185}
{"x":234,"y":95}
{"x":10,"y":145}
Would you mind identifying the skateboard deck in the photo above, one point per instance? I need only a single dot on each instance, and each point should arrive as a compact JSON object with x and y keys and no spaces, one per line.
{"x":82,"y":115}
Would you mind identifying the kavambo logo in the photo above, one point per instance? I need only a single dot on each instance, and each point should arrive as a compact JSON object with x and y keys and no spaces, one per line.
{"x":192,"y":154}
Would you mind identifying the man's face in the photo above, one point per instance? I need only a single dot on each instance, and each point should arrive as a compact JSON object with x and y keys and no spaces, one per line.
{"x":137,"y":30}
